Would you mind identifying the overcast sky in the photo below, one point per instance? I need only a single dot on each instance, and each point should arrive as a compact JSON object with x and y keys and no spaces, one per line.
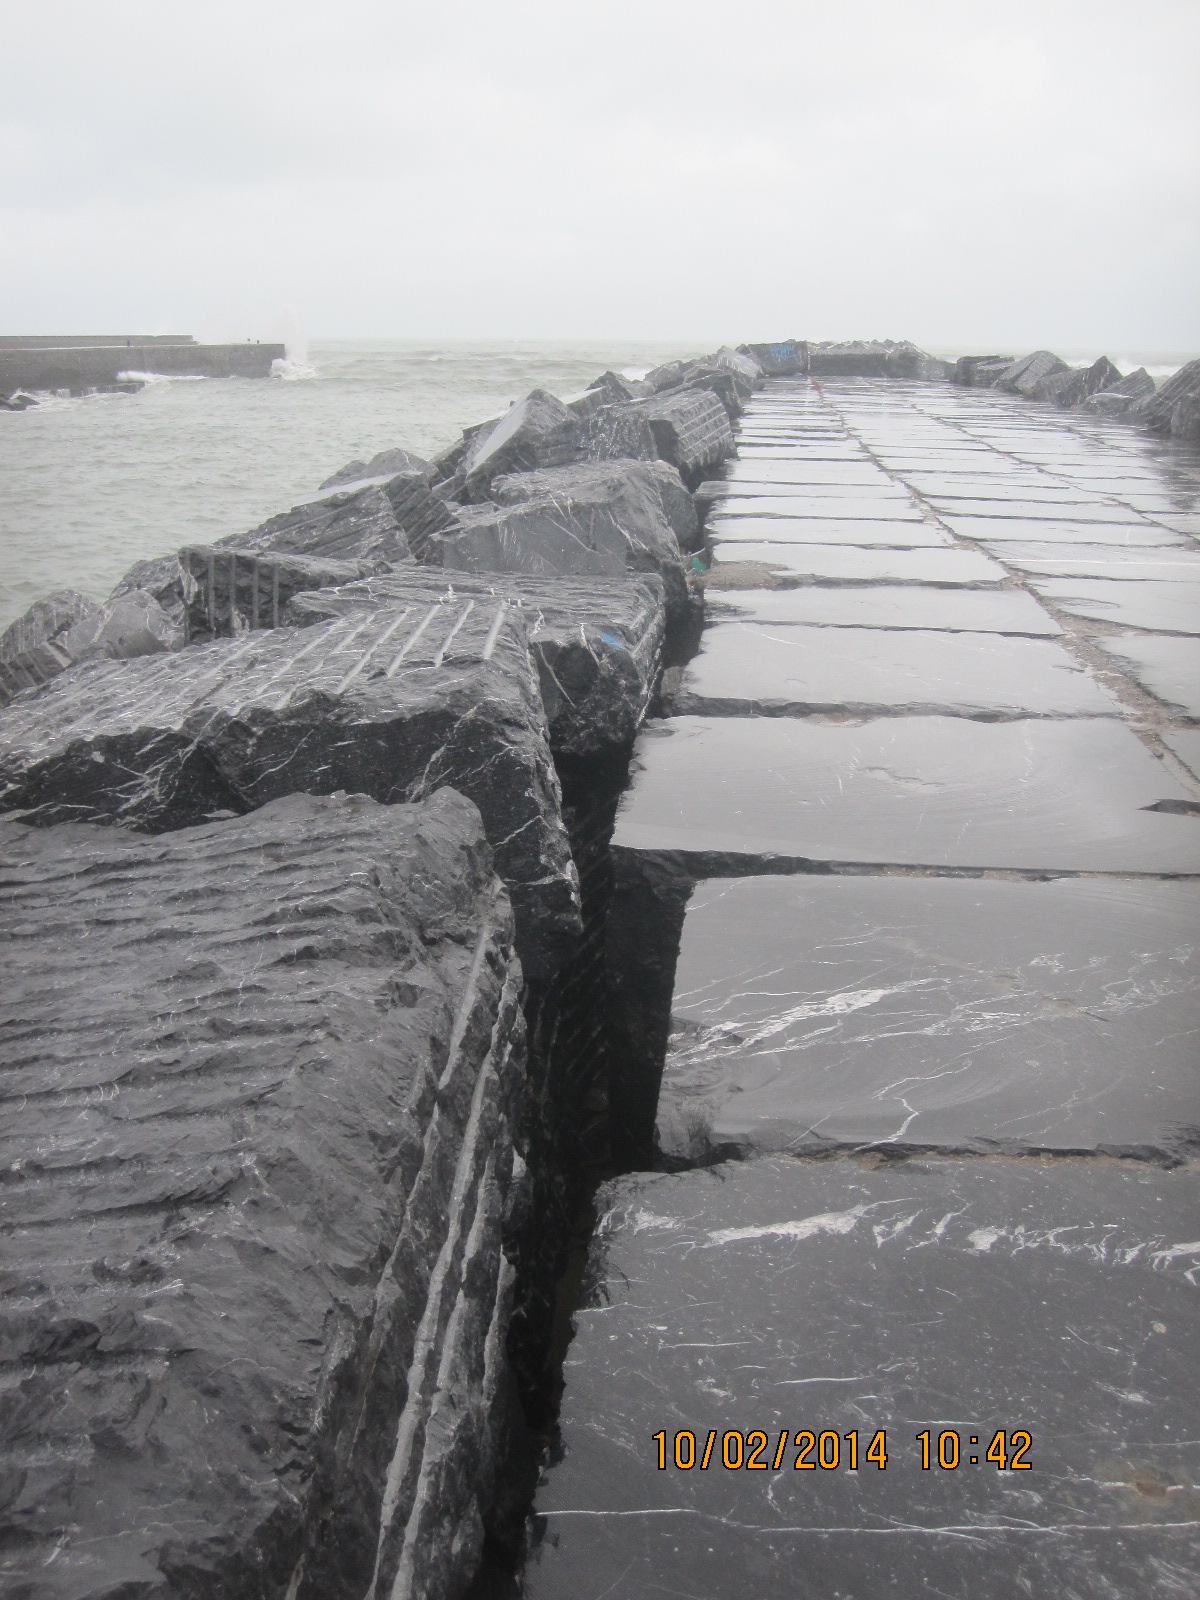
{"x":1002,"y":174}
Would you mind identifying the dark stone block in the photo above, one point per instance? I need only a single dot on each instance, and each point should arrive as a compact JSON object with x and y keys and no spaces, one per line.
{"x":1157,"y":411}
{"x":598,"y":529}
{"x":386,"y":464}
{"x":233,"y":591}
{"x":788,"y":358}
{"x":352,"y":525}
{"x":691,"y":431}
{"x":934,"y":1014}
{"x":538,"y":431}
{"x":872,"y":358}
{"x":980,"y":372}
{"x":963,"y":1297}
{"x":133,"y":624}
{"x":1076,"y":384}
{"x":617,"y":431}
{"x":1117,"y":399}
{"x":381,"y":703}
{"x":1023,"y":376}
{"x":658,"y":479}
{"x":597,"y":643}
{"x":257,"y":1154}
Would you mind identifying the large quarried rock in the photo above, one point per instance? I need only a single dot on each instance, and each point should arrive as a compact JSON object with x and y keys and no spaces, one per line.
{"x":232,"y":591}
{"x":740,"y":362}
{"x":1076,"y":384}
{"x":980,"y":372}
{"x":597,"y":643}
{"x":354,"y":525}
{"x":591,"y":531}
{"x":617,"y":431}
{"x":382,"y":466}
{"x":1117,"y":399}
{"x":1023,"y":376}
{"x":1169,"y":410}
{"x":538,"y":431}
{"x":256,"y":1153}
{"x":659,"y":479}
{"x":133,"y":624}
{"x":30,"y":647}
{"x":872,"y":358}
{"x":390,"y":703}
{"x":691,"y":430}
{"x":786,"y":358}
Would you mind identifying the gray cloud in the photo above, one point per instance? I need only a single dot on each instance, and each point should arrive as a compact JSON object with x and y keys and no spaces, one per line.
{"x":963,"y":174}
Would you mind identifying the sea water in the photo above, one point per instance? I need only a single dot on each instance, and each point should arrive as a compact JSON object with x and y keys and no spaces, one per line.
{"x":92,"y":484}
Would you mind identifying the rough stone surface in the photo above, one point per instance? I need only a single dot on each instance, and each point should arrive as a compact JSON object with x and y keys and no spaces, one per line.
{"x":787,"y":358}
{"x":872,"y":358}
{"x":1077,"y":383}
{"x":980,"y":372}
{"x":1168,"y":666}
{"x":133,"y":624}
{"x":30,"y":648}
{"x":256,"y":1150}
{"x":618,"y":477}
{"x":617,"y":431}
{"x":1158,"y":410}
{"x":386,"y":464}
{"x":691,"y":431}
{"x":1116,"y":400}
{"x":597,"y":644}
{"x":960,"y":1296}
{"x":900,"y":606}
{"x":538,"y":431}
{"x":589,"y":531}
{"x":934,"y":1013}
{"x":232,"y":591}
{"x":353,"y":525}
{"x":379,"y":703}
{"x":1023,"y":376}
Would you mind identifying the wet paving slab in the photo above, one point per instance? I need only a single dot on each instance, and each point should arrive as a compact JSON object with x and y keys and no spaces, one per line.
{"x":805,"y":505}
{"x":747,"y":794}
{"x":1167,"y":666}
{"x":1158,"y":605}
{"x":1050,"y":559}
{"x":906,"y":606}
{"x":893,"y":533}
{"x":811,"y":1014}
{"x":1040,"y":1314}
{"x":746,"y":668}
{"x":831,"y":563}
{"x":1063,"y":530}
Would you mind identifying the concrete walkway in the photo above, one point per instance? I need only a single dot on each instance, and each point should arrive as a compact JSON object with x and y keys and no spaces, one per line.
{"x":928,"y":807}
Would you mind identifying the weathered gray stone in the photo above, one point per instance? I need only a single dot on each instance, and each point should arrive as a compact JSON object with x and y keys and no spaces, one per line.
{"x":872,"y":358}
{"x":1024,"y":375}
{"x":233,"y":591}
{"x":30,"y":648}
{"x":1116,"y":400}
{"x":784,"y":359}
{"x":133,"y":624}
{"x":741,"y":362}
{"x":386,"y":464}
{"x":691,"y":431}
{"x":969,"y":1298}
{"x":617,"y":431}
{"x":538,"y":431}
{"x":353,"y":525}
{"x":597,"y":642}
{"x":259,"y":1078}
{"x":379,"y":703}
{"x":980,"y":372}
{"x":1077,"y":384}
{"x":1158,"y":410}
{"x":593,"y":530}
{"x":658,"y":478}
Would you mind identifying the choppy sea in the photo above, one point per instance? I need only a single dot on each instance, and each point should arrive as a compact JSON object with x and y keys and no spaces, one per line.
{"x":92,"y":484}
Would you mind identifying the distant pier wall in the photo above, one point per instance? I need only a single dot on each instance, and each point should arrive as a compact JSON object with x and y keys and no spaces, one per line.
{"x":37,"y":364}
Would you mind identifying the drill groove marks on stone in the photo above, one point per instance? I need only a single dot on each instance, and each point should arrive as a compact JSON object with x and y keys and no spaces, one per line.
{"x":258,"y":1078}
{"x":375,"y":703}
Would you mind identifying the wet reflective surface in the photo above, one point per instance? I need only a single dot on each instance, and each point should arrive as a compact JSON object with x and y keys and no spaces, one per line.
{"x":935,"y":791}
{"x":934,"y":1013}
